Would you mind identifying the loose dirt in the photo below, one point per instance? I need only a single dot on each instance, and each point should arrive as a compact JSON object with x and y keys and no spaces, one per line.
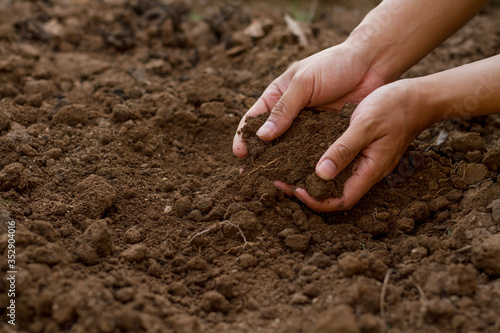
{"x":116,"y":123}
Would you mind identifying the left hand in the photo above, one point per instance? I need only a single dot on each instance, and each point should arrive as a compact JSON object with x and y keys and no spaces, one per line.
{"x":381,"y":129}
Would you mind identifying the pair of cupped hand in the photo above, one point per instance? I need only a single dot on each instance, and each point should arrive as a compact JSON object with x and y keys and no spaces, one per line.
{"x":385,"y":122}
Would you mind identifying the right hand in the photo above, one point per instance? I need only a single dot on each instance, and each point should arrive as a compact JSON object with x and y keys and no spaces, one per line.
{"x":325,"y":80}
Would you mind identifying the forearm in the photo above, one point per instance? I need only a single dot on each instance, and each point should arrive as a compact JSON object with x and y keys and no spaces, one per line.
{"x":466,"y":91}
{"x":399,"y":33}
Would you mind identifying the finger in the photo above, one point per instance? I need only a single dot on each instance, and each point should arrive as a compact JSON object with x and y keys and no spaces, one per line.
{"x":324,"y":206}
{"x":239,"y":148}
{"x":263,"y":105}
{"x":342,"y":151}
{"x":366,"y":174}
{"x":286,"y":188}
{"x":294,"y":99}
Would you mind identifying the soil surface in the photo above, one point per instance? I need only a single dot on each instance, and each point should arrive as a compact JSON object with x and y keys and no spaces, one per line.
{"x":116,"y":123}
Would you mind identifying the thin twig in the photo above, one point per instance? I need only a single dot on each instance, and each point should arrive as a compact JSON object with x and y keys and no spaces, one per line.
{"x":456,"y":168}
{"x":201,"y":233}
{"x":423,"y":299}
{"x":241,"y":232}
{"x":383,"y":292}
{"x":312,"y":11}
{"x":443,"y":189}
{"x":262,"y":166}
{"x":464,"y":249}
{"x":220,"y":224}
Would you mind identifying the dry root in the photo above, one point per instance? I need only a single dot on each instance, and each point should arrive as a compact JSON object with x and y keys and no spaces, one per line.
{"x":220,"y":225}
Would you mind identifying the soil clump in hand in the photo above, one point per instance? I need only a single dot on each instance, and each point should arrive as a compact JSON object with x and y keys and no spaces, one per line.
{"x":293,"y":156}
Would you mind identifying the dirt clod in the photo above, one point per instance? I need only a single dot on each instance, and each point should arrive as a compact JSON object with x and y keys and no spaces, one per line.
{"x":298,"y":242}
{"x":214,"y":301}
{"x":182,"y":206}
{"x":248,"y":260}
{"x":133,"y":235}
{"x":417,"y":210}
{"x":95,"y":243}
{"x":94,"y":196}
{"x":464,"y":142}
{"x":485,"y":254}
{"x":71,"y":115}
{"x":337,"y":320}
{"x":13,"y":176}
{"x":136,"y":252}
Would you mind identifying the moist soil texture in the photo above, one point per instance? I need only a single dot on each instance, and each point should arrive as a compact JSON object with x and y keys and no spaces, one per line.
{"x":116,"y":124}
{"x":293,"y":156}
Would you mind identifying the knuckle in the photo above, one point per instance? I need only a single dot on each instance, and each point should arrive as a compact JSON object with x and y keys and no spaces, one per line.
{"x":343,"y":152}
{"x":304,"y":76}
{"x":280,"y":110}
{"x":348,"y":205}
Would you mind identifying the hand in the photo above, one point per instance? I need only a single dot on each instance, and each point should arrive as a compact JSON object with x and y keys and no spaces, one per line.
{"x":325,"y":80}
{"x":382,"y":127}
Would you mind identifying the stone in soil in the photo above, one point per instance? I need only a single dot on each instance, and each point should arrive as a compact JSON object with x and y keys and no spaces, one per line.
{"x":292,"y":157}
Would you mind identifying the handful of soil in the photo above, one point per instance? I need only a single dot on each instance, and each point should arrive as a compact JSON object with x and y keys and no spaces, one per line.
{"x":293,"y":156}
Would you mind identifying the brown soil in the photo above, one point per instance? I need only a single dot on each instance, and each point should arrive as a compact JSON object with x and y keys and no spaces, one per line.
{"x":293,"y":156}
{"x":116,"y":123}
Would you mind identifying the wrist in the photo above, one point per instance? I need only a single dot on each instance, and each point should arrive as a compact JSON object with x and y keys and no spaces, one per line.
{"x":428,"y":92}
{"x":377,"y":52}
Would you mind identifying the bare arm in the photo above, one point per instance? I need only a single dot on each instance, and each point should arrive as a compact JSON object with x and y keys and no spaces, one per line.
{"x":387,"y":120}
{"x":466,"y":91}
{"x":399,"y":33}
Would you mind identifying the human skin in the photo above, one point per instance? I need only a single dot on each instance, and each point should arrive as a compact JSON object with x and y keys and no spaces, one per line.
{"x":391,"y":39}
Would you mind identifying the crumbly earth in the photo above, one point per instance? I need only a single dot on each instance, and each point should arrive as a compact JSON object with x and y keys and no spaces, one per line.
{"x":116,"y":123}
{"x":293,"y":156}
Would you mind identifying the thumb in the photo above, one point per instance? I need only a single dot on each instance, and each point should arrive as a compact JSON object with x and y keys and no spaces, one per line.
{"x":295,"y":98}
{"x":342,"y":152}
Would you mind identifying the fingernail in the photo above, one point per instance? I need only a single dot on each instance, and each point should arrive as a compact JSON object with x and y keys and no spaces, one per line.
{"x":267,"y":129}
{"x":326,"y":170}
